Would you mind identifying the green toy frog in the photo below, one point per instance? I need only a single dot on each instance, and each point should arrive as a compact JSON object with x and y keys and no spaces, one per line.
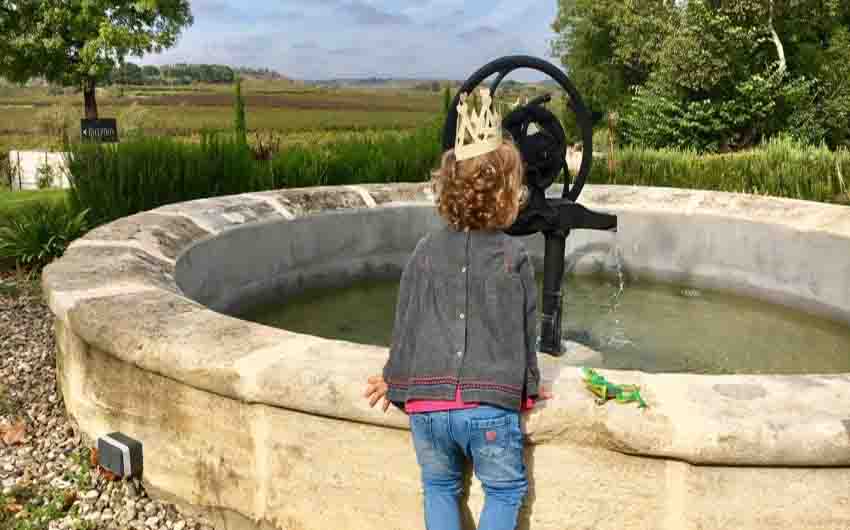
{"x":605,"y":390}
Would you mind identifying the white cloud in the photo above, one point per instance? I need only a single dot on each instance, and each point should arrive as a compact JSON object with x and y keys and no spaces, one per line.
{"x":342,"y":38}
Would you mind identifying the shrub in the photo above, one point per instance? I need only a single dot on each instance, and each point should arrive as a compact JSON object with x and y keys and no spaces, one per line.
{"x":387,"y":158}
{"x":781,"y":167}
{"x":58,"y":121}
{"x":239,"y":126}
{"x":134,"y":119}
{"x":34,"y":236}
{"x":9,"y":171}
{"x":45,"y":176}
{"x":5,"y":171}
{"x":116,"y":180}
{"x":266,"y":146}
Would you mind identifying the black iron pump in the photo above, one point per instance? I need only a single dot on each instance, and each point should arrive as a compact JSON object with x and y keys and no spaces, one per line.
{"x":544,"y":155}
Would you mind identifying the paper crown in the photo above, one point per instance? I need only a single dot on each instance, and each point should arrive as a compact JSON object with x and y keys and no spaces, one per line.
{"x":477,"y":133}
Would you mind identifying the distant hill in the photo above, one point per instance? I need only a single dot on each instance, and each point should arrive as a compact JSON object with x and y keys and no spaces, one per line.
{"x":433,"y":85}
{"x":185,"y":73}
{"x":382,"y":82}
{"x":265,"y":74}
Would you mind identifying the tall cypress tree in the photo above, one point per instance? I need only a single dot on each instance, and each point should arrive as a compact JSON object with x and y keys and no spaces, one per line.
{"x":239,"y":110}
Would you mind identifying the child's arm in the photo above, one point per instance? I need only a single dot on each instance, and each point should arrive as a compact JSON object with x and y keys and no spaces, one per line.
{"x":378,"y":387}
{"x":526,"y":272}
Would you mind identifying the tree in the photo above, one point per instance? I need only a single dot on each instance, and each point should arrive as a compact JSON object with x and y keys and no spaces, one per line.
{"x":711,"y":74}
{"x":129,"y":74}
{"x":610,"y":46}
{"x":239,"y":113}
{"x":150,"y":73}
{"x":80,"y":42}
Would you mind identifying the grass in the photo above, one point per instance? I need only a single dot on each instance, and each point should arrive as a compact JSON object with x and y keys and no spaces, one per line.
{"x":281,"y":107}
{"x":781,"y":168}
{"x":13,"y":201}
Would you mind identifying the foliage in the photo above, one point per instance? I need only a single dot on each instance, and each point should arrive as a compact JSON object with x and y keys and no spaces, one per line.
{"x":239,"y":125}
{"x":57,"y":121}
{"x":5,"y":170}
{"x":34,"y":236}
{"x":79,"y":43}
{"x":782,"y":167}
{"x":266,"y":146}
{"x":134,"y":119}
{"x":391,"y":158}
{"x":712,"y":75}
{"x":45,"y":175}
{"x":42,"y":509}
{"x":261,"y":73}
{"x":138,"y":174}
{"x":181,"y":74}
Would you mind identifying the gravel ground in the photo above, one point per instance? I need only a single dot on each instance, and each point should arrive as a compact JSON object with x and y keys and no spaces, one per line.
{"x":46,"y":479}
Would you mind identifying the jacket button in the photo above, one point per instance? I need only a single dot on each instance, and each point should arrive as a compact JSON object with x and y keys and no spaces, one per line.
{"x":462,"y":316}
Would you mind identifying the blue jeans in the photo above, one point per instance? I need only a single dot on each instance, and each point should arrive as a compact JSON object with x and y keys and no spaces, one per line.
{"x":492,"y":438}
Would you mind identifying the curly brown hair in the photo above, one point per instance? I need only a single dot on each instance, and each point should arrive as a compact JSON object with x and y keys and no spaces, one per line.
{"x":480,"y":193}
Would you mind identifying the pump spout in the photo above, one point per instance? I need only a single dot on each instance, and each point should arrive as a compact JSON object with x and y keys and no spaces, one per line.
{"x":574,"y":216}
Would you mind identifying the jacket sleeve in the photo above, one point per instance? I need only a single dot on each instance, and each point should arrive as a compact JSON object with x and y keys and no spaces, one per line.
{"x":526,"y":272}
{"x":406,"y":291}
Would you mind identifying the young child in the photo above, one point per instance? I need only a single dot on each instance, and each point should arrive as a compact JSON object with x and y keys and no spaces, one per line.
{"x":463,"y":360}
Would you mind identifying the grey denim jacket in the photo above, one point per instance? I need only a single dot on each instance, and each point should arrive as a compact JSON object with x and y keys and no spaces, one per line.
{"x":466,"y":315}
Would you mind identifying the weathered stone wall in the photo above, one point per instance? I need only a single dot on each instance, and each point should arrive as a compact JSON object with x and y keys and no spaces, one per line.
{"x":267,"y":428}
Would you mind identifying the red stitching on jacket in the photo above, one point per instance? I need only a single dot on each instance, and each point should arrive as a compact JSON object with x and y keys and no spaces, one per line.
{"x":442,"y":380}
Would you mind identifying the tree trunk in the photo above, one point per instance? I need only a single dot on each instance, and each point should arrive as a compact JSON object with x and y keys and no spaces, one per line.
{"x":780,"y":50}
{"x":89,"y":97}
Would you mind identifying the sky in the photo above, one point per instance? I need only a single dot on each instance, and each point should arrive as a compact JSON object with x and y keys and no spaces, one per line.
{"x":324,"y":39}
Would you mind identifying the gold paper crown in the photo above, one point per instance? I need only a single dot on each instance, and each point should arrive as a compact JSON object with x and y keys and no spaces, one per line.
{"x":477,"y":134}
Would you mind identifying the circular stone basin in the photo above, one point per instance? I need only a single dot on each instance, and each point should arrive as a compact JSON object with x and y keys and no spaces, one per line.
{"x":633,"y":325}
{"x":261,"y":427}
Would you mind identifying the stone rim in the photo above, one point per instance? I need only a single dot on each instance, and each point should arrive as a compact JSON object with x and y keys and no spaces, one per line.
{"x":127,"y":268}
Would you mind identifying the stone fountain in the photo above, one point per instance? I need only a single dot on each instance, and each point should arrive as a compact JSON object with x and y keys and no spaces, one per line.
{"x":266,"y":428}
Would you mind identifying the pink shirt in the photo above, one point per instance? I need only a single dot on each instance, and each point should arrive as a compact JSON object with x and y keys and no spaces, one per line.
{"x":415,"y":406}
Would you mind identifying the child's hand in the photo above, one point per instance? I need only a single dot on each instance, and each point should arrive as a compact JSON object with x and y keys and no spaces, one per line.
{"x":376,"y":390}
{"x":543,"y":393}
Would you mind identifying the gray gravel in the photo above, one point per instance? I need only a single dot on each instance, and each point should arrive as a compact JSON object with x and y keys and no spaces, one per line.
{"x":47,"y":463}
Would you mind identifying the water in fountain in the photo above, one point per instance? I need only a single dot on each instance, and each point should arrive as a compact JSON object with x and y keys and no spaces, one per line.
{"x":634,"y":324}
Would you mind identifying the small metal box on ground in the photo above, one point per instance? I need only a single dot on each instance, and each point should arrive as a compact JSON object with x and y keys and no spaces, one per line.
{"x":120,"y":454}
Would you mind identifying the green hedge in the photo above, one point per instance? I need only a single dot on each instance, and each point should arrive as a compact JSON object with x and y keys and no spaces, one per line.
{"x":139,"y":174}
{"x":394,"y":157}
{"x":781,"y":167}
{"x":117,"y":180}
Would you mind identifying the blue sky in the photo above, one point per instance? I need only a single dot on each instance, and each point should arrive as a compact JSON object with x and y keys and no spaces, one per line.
{"x":320,"y":39}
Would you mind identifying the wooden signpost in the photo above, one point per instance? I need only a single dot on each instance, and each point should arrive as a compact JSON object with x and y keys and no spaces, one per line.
{"x":103,"y":130}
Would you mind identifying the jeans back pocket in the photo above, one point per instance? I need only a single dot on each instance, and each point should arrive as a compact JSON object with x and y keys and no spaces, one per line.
{"x":496,"y":447}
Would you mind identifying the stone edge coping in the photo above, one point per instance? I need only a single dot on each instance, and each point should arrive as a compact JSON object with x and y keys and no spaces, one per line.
{"x":115,"y":288}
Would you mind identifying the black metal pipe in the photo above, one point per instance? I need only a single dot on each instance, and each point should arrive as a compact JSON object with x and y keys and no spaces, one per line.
{"x":550,"y":318}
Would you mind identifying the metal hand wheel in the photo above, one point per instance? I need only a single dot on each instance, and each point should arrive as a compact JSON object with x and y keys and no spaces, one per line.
{"x":505,"y":66}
